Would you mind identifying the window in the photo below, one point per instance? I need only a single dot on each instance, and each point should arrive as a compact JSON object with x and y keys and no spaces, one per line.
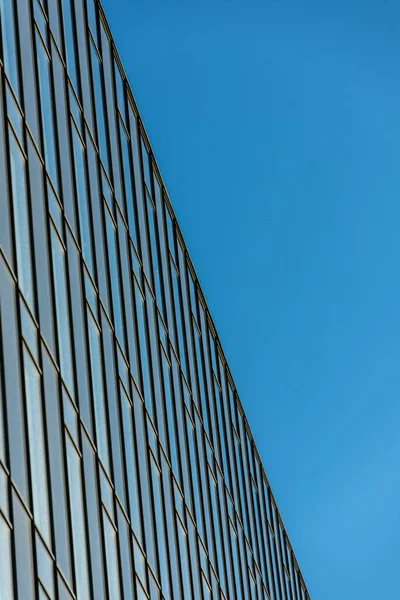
{"x":46,"y":105}
{"x":69,"y":19}
{"x":183,"y":553}
{"x":144,"y":350}
{"x":128,"y":184}
{"x":98,"y":97}
{"x":21,"y":220}
{"x":82,"y":197}
{"x":130,"y":457}
{"x":78,"y":521}
{"x":62,"y":311}
{"x":6,"y":576}
{"x":34,"y":407}
{"x":160,"y":532}
{"x":169,"y":407}
{"x":112,"y":558}
{"x":9,"y":43}
{"x":114,"y":277}
{"x":98,"y":390}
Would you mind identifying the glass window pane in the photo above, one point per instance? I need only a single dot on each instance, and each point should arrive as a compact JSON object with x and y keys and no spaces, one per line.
{"x":62,"y":311}
{"x":114,"y":276}
{"x":130,"y":457}
{"x":6,"y":579}
{"x":98,"y":97}
{"x":9,"y":42}
{"x":144,"y":350}
{"x":68,"y":20}
{"x":128,"y":185}
{"x":21,"y":220}
{"x":160,"y":532}
{"x":183,"y":553}
{"x":46,"y":105}
{"x":34,"y":406}
{"x":98,"y":391}
{"x":78,"y":521}
{"x":112,"y":558}
{"x":82,"y":197}
{"x":23,"y":550}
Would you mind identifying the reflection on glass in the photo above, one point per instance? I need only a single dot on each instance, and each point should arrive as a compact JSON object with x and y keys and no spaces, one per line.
{"x":9,"y":43}
{"x":128,"y":185}
{"x":169,"y":407}
{"x":112,"y":558}
{"x":21,"y":220}
{"x":78,"y":522}
{"x":62,"y":311}
{"x":183,"y":553}
{"x":98,"y":390}
{"x":160,"y":533}
{"x":34,"y":407}
{"x":179,"y":318}
{"x":114,"y":277}
{"x":6,"y":583}
{"x":144,"y":351}
{"x":82,"y":197}
{"x":46,"y":106}
{"x":98,"y":97}
{"x":130,"y":457}
{"x":68,"y":20}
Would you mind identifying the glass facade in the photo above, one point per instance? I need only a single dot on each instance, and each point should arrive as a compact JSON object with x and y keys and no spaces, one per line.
{"x":127,"y":467}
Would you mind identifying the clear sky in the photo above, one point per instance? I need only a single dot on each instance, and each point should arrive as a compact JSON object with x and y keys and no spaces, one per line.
{"x":276,"y":125}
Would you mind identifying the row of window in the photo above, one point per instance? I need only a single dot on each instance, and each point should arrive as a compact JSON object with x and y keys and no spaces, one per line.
{"x":123,"y":447}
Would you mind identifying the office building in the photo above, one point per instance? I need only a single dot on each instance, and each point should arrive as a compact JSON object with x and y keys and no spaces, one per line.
{"x":127,"y":467}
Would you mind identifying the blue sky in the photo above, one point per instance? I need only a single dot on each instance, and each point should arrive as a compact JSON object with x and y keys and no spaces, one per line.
{"x":276,"y":126}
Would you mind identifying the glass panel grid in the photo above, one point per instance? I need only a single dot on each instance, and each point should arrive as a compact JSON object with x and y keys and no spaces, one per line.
{"x":129,"y":451}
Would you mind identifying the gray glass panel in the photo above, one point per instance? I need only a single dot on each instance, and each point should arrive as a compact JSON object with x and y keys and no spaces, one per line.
{"x":113,"y":406}
{"x":82,"y":198}
{"x":98,"y":391}
{"x":128,"y":299}
{"x":115,"y":280}
{"x":42,"y":248}
{"x":12,"y":381}
{"x":93,"y":512}
{"x":143,"y":459}
{"x":56,"y":464}
{"x":23,"y":550}
{"x":78,"y":521}
{"x":5,"y":222}
{"x":68,"y":22}
{"x":79,"y":338}
{"x":63,"y":137}
{"x":62,"y":311}
{"x":125,"y":148}
{"x":160,"y":533}
{"x":27,"y":64}
{"x":47,"y":112}
{"x":112,"y":558}
{"x":6,"y":573}
{"x":125,"y":554}
{"x":83,"y":58}
{"x":9,"y":43}
{"x":131,"y":466}
{"x":21,"y":220}
{"x":44,"y":566}
{"x":99,"y":103}
{"x":111,"y":112}
{"x":97,"y":207}
{"x":144,"y":350}
{"x":184,"y":562}
{"x":140,"y":200}
{"x":37,"y":450}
